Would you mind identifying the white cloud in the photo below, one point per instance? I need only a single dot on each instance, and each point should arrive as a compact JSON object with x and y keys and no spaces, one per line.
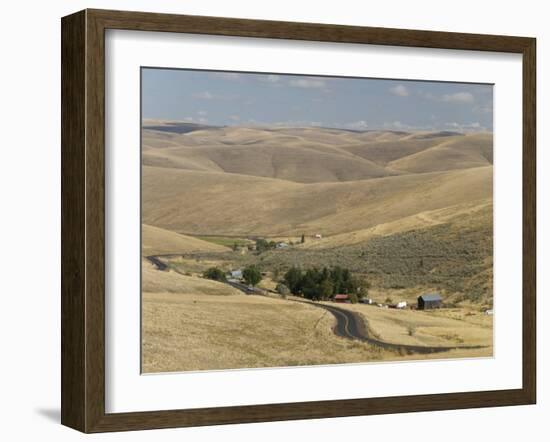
{"x":235,"y":118}
{"x":207,"y":95}
{"x":202,"y":113}
{"x":357,"y":125}
{"x":296,"y":123}
{"x":484,"y":109}
{"x":399,"y":90}
{"x":272,"y":79}
{"x":427,"y":95}
{"x":458,"y":97}
{"x":397,"y":125}
{"x":307,"y":83}
{"x":466,"y":127}
{"x":204,"y":95}
{"x":199,"y":120}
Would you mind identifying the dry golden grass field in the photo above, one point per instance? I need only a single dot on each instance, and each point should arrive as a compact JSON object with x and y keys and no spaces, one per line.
{"x":157,"y":241}
{"x":198,"y":331}
{"x":410,"y":212}
{"x":437,"y":328}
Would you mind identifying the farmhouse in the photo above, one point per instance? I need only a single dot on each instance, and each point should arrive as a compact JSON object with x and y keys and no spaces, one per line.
{"x":429,"y":300}
{"x":341,"y":298}
{"x":236,"y":274}
{"x":281,"y":245}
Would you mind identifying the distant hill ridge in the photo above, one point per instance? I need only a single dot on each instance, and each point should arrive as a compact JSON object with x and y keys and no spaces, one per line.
{"x":310,"y":154}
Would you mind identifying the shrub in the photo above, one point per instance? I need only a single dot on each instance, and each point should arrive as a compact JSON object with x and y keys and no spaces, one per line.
{"x":214,"y":273}
{"x":282,"y":290}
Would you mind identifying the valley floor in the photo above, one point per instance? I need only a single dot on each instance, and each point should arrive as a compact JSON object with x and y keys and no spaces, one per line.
{"x":206,"y":325}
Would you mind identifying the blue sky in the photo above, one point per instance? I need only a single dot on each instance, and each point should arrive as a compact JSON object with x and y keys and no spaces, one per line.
{"x":247,"y":99}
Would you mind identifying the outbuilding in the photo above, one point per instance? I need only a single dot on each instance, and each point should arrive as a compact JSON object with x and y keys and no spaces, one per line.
{"x":429,"y":301}
{"x":236,"y":274}
{"x":341,"y":298}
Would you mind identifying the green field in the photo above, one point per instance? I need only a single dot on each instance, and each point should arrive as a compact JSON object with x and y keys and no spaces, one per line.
{"x":226,"y":241}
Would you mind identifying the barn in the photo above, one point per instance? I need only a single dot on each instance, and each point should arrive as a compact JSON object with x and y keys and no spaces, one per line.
{"x":341,"y":298}
{"x":429,"y":300}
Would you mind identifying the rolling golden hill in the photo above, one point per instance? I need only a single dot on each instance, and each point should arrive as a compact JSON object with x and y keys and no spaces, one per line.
{"x":157,"y":241}
{"x":311,"y":155}
{"x":372,"y":195}
{"x":196,"y":202}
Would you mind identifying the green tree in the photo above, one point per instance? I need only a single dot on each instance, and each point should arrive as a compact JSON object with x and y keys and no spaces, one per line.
{"x":325,"y":289}
{"x":261,"y":245}
{"x":235,"y":246}
{"x":303,"y":240}
{"x":293,"y":280}
{"x":310,"y":287}
{"x":214,"y":273}
{"x":252,"y":275}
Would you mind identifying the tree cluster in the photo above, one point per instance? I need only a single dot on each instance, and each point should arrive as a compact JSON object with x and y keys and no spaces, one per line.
{"x":323,"y":284}
{"x":214,"y":273}
{"x":263,"y":245}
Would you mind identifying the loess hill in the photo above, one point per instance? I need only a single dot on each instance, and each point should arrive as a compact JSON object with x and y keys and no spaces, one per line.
{"x":410,"y":208}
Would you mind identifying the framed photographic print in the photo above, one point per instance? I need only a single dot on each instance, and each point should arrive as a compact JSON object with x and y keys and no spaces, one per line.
{"x":270,"y":220}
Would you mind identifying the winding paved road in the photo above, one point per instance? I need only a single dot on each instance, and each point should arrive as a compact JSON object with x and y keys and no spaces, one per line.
{"x":157,"y":262}
{"x":349,"y":324}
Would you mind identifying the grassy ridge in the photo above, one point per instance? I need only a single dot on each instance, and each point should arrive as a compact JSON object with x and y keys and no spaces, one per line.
{"x":454,"y":257}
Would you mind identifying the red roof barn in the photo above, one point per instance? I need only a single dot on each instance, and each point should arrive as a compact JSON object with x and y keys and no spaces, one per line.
{"x":341,"y":298}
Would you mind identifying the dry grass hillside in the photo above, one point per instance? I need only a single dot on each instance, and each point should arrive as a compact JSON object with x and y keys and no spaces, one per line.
{"x":420,"y":220}
{"x":155,"y":281}
{"x":191,"y":202}
{"x":157,"y":241}
{"x":310,"y":155}
{"x":198,"y":331}
{"x":409,"y":212}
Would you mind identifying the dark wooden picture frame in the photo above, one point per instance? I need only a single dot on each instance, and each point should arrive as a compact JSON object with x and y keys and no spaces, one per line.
{"x":83,"y":220}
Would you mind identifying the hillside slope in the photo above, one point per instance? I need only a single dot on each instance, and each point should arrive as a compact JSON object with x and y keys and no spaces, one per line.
{"x":157,"y":241}
{"x":229,"y":204}
{"x":311,"y":155}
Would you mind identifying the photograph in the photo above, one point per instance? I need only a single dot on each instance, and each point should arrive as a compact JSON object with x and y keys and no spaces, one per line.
{"x":302,"y":220}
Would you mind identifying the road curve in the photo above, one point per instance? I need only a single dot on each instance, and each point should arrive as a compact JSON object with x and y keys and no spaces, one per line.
{"x":351,"y":325}
{"x":160,"y":265}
